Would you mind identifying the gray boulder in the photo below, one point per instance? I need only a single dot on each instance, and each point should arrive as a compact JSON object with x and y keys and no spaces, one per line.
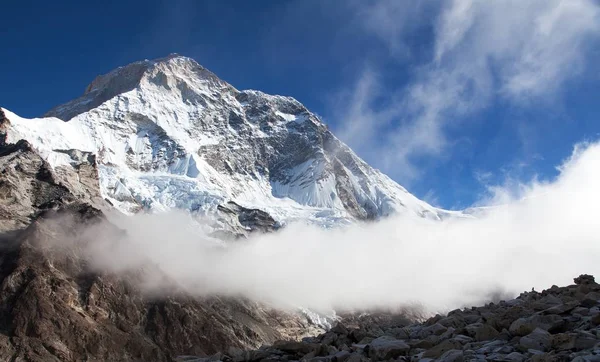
{"x":515,"y":356}
{"x":341,"y":356}
{"x":442,"y":348}
{"x":484,"y":332}
{"x":386,"y":348}
{"x":524,"y":326}
{"x":433,"y":330}
{"x":453,"y":355}
{"x":539,"y":340}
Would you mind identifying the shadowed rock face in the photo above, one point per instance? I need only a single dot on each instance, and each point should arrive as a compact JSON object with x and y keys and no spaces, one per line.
{"x":55,"y":306}
{"x":244,"y":220}
{"x":28,"y":185}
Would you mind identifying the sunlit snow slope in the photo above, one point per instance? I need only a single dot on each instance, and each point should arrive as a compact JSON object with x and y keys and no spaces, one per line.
{"x":170,"y":134}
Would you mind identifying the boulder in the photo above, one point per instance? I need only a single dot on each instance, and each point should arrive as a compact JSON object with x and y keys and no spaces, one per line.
{"x":356,"y":335}
{"x":329,"y":338}
{"x":442,"y":348}
{"x":366,"y":340}
{"x":422,"y":344}
{"x":455,"y":321}
{"x":341,"y":356}
{"x":515,"y":356}
{"x":564,"y":341}
{"x":339,"y":329}
{"x":485,"y":332}
{"x":433,"y":330}
{"x":386,"y":348}
{"x":524,"y":326}
{"x":539,"y":340}
{"x":502,"y":319}
{"x":550,"y":300}
{"x":472,"y":318}
{"x":490,"y":346}
{"x":585,"y":340}
{"x":453,"y":355}
{"x":595,"y":320}
{"x":562,"y":308}
{"x":399,"y":333}
{"x":472,"y":328}
{"x":462,"y":339}
{"x":450,"y":332}
{"x":590,"y":300}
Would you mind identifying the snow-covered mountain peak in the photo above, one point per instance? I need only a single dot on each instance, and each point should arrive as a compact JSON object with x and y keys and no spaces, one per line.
{"x":168,"y":133}
{"x":174,"y":72}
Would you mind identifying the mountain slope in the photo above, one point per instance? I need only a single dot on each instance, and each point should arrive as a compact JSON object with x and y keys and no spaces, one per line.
{"x":58,"y":304}
{"x":170,"y":134}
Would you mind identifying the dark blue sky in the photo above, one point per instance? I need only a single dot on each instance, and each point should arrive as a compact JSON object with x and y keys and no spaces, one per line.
{"x":318,"y":52}
{"x":57,"y":48}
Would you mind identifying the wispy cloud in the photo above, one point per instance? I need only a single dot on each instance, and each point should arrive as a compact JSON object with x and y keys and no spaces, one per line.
{"x":517,"y":51}
{"x":533,"y":46}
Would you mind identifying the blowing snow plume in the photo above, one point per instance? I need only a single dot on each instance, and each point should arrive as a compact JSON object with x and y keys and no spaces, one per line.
{"x":547,"y":235}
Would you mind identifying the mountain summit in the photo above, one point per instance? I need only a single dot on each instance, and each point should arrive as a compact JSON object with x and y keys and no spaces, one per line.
{"x":169,"y":134}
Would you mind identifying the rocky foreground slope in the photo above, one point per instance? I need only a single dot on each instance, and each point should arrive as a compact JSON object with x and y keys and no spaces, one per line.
{"x":557,"y":324}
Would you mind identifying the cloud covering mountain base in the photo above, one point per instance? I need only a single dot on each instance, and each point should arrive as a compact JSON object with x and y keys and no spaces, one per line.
{"x":541,"y":235}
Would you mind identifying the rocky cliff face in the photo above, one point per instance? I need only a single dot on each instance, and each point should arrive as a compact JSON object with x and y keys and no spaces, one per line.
{"x":170,"y":134}
{"x":29,"y":185}
{"x":55,"y":305}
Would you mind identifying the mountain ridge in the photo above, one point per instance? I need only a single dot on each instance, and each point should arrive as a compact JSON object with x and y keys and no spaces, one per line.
{"x":169,"y":133}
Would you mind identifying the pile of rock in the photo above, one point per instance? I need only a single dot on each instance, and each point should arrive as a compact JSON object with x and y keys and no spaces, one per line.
{"x":558,"y":324}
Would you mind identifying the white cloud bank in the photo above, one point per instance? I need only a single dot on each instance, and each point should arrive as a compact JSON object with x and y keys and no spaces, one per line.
{"x":520,"y":51}
{"x":548,"y":236}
